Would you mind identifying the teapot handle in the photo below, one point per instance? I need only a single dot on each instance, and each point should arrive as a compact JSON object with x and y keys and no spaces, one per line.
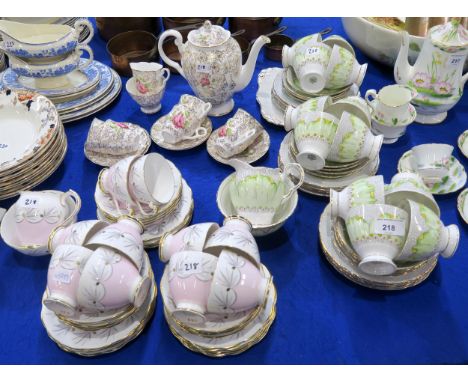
{"x":80,"y":25}
{"x":179,"y":44}
{"x":77,"y":200}
{"x":287,"y":171}
{"x":370,"y":93}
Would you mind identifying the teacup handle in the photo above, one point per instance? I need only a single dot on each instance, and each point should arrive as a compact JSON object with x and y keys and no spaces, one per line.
{"x":370,"y":93}
{"x":204,"y":111}
{"x":199,"y":132}
{"x":90,"y":58}
{"x":143,"y":212}
{"x":76,"y":199}
{"x":80,"y":25}
{"x":288,"y":171}
{"x":168,"y":75}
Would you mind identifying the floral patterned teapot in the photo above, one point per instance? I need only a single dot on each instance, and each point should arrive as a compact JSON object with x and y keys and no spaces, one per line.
{"x":212,"y":64}
{"x":437,"y":74}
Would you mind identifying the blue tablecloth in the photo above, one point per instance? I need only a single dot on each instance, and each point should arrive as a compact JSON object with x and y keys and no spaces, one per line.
{"x":322,"y":317}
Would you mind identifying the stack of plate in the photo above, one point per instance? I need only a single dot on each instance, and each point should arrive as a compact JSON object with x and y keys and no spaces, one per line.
{"x":333,"y":176}
{"x":70,"y":21}
{"x":91,"y":335}
{"x":226,"y":335}
{"x":3,"y":64}
{"x":86,"y":92}
{"x":33,"y":141}
{"x":279,"y":88}
{"x":340,"y":254}
{"x":171,"y":217}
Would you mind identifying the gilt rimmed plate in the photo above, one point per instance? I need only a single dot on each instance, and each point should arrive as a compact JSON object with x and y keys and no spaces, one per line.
{"x":156,"y":136}
{"x":462,"y":205}
{"x":253,"y":153}
{"x":348,"y":267}
{"x":454,"y":181}
{"x":78,"y":81}
{"x":270,"y":112}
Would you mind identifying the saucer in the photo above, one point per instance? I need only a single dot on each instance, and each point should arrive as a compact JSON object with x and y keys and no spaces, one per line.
{"x":101,"y":341}
{"x":461,"y":142}
{"x":394,"y":122}
{"x":184,"y":144}
{"x":253,"y":153}
{"x":171,"y":223}
{"x":270,"y":112}
{"x":231,"y":344}
{"x":462,"y":205}
{"x":450,"y":183}
{"x":78,"y":81}
{"x":107,"y":160}
{"x":321,"y":186}
{"x":347,"y":265}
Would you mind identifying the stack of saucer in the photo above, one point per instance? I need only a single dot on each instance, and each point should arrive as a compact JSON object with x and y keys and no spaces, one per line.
{"x":3,"y":64}
{"x":207,"y":307}
{"x":52,"y":67}
{"x":387,"y":237}
{"x":33,"y":141}
{"x":83,"y":310}
{"x":170,"y":215}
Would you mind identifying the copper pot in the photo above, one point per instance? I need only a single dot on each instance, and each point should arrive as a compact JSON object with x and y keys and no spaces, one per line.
{"x":108,"y":27}
{"x":177,"y":22}
{"x":274,"y":49}
{"x":254,"y":26}
{"x":132,"y":46}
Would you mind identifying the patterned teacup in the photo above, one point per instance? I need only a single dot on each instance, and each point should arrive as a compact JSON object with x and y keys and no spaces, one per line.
{"x":149,"y":76}
{"x":343,"y":69}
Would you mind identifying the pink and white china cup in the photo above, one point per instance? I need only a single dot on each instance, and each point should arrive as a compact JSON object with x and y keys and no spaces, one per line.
{"x":123,"y":237}
{"x":190,"y":277}
{"x":238,"y":285}
{"x":109,"y":280}
{"x":37,"y":213}
{"x":191,"y":238}
{"x":184,"y":123}
{"x":361,"y":192}
{"x":432,"y":161}
{"x":151,"y":181}
{"x":78,"y":233}
{"x":149,"y":76}
{"x":63,"y":278}
{"x":354,"y":140}
{"x":235,"y":235}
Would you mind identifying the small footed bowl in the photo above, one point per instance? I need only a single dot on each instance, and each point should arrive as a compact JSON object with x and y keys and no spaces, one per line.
{"x":150,"y":103}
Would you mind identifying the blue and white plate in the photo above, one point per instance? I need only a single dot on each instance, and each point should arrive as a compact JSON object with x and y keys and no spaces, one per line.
{"x":78,"y":81}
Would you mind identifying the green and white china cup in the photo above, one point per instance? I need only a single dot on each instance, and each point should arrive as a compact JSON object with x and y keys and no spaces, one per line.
{"x":354,"y":140}
{"x":409,"y":186}
{"x":293,"y":114}
{"x":314,"y":134}
{"x":432,"y":161}
{"x":335,"y":39}
{"x":354,"y":105}
{"x":361,"y":192}
{"x":377,"y":233}
{"x":427,"y":236}
{"x":343,"y":69}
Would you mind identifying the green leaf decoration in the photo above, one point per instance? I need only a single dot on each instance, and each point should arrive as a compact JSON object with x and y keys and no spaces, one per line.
{"x":414,"y":47}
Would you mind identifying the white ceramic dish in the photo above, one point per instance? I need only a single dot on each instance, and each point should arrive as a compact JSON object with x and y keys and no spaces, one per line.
{"x":462,"y":205}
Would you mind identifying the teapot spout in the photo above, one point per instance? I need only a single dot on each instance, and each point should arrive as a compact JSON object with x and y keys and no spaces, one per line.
{"x":249,"y":67}
{"x":403,"y":71}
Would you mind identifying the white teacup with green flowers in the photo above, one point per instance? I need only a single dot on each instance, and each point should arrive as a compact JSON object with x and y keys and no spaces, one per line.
{"x":377,"y":233}
{"x":343,"y":69}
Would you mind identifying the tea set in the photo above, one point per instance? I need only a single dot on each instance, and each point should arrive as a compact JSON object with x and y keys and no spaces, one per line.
{"x":387,"y":228}
{"x":218,"y":298}
{"x":99,"y":280}
{"x":242,"y":137}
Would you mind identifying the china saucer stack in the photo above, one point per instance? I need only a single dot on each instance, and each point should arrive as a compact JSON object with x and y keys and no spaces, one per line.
{"x":170,"y":217}
{"x":32,"y":148}
{"x":3,"y":64}
{"x":333,"y":176}
{"x":90,"y":334}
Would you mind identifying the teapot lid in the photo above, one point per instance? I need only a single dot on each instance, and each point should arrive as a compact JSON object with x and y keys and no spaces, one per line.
{"x":208,"y":35}
{"x":451,"y":36}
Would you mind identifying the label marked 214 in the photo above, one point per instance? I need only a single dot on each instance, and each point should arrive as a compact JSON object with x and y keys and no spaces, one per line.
{"x":389,"y":227}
